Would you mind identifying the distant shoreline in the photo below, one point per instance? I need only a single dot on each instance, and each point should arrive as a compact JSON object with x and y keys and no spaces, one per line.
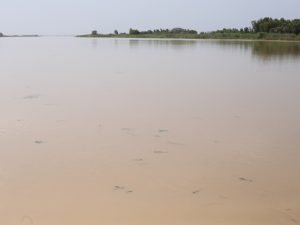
{"x":153,"y":37}
{"x":263,"y":29}
{"x":7,"y":36}
{"x":205,"y":36}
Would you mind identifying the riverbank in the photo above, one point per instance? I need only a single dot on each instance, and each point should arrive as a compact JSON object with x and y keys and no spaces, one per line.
{"x":5,"y":36}
{"x":211,"y":35}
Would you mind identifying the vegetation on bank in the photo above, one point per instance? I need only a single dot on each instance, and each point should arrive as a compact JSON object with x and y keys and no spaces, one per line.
{"x":262,"y":29}
{"x":31,"y":35}
{"x":282,"y":26}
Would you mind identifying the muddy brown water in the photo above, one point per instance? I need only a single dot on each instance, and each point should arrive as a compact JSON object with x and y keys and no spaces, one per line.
{"x":144,"y":132}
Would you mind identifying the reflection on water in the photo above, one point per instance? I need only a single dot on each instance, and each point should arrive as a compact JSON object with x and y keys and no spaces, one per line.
{"x":279,"y":50}
{"x":266,"y":50}
{"x":162,"y":43}
{"x":263,"y":50}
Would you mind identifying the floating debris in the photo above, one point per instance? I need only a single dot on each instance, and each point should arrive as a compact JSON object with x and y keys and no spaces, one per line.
{"x":32,"y":96}
{"x":123,"y":189}
{"x":175,"y":143}
{"x":160,"y":152}
{"x":138,"y":160}
{"x":119,"y":187}
{"x":196,"y":192}
{"x":245,"y":179}
{"x":162,"y":131}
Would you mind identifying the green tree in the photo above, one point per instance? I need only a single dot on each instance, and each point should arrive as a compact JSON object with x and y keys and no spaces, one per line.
{"x":246,"y":30}
{"x":116,"y":32}
{"x":296,"y":25}
{"x":270,"y":25}
{"x":133,"y":31}
{"x":94,"y":32}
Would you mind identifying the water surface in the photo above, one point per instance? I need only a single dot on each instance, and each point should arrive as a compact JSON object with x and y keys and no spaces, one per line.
{"x":143,"y":132}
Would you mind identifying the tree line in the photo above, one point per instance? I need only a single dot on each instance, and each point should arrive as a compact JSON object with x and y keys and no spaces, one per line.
{"x":263,"y":27}
{"x":270,"y":25}
{"x":164,"y":31}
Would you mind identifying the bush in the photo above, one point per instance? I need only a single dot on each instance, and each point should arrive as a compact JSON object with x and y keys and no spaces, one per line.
{"x":261,"y":35}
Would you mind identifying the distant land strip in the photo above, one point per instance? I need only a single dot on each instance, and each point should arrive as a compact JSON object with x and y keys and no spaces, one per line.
{"x":29,"y":35}
{"x":263,"y":29}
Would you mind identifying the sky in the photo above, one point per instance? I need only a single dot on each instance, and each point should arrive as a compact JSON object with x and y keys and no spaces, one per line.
{"x":63,"y":17}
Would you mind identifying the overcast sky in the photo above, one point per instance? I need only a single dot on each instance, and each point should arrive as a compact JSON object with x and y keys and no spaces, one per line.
{"x":82,"y":16}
